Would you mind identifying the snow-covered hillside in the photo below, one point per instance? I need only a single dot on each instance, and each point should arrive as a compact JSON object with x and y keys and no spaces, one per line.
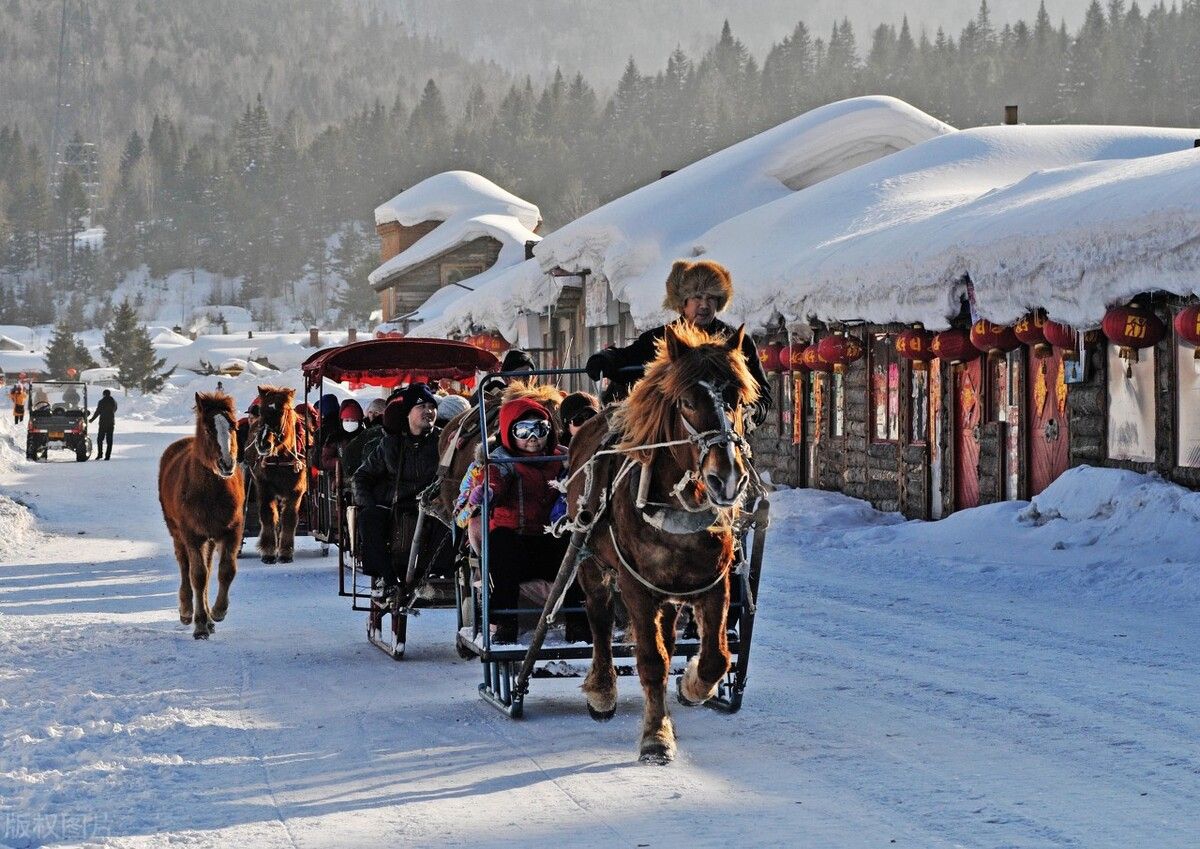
{"x":1014,"y":676}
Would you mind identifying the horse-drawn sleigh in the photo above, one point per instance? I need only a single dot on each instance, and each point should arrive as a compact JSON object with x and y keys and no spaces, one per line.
{"x":386,"y":363}
{"x":664,"y":514}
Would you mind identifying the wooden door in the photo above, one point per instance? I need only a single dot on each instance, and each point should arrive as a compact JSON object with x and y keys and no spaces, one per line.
{"x":968,"y":416}
{"x":1049,"y":440}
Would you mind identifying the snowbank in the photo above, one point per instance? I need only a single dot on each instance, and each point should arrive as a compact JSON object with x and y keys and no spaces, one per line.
{"x":632,"y":241}
{"x":17,"y":524}
{"x":1013,"y":206}
{"x":1105,"y":534}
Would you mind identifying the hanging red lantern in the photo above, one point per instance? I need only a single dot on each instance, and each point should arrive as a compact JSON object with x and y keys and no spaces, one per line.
{"x":954,"y":346}
{"x":492,"y":342}
{"x":839,"y":351}
{"x":1132,"y":327}
{"x":1187,"y":327}
{"x":791,"y":357}
{"x":993,"y":339}
{"x":768,"y":356}
{"x":915,"y":345}
{"x":811,"y":360}
{"x":1031,"y":330}
{"x":1063,"y":337}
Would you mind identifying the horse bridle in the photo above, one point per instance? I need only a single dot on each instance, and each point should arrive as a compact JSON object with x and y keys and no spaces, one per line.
{"x":705,"y":441}
{"x":265,"y":430}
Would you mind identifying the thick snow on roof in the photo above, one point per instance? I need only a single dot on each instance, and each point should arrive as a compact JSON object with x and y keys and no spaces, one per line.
{"x":469,"y":207}
{"x":632,"y":241}
{"x":1012,"y":206}
{"x":500,"y":294}
{"x":451,"y":193}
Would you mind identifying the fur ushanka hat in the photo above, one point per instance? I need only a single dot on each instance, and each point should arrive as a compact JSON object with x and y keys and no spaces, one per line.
{"x":694,"y":278}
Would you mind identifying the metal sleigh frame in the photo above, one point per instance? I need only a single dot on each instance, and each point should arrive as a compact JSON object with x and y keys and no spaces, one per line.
{"x":507,"y":669}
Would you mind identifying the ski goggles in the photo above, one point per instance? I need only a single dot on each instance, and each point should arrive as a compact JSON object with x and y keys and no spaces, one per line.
{"x":531,"y":429}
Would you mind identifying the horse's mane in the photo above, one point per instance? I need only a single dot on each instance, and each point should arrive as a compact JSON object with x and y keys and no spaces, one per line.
{"x":543,"y":393}
{"x":208,"y":403}
{"x":647,"y":415}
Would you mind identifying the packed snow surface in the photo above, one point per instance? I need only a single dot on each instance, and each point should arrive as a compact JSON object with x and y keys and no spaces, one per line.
{"x":1066,"y":217}
{"x":632,"y":241}
{"x":1015,"y":676}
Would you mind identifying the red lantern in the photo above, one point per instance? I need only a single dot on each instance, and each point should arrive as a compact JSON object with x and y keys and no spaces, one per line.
{"x":839,"y":351}
{"x":915,"y":345}
{"x":1031,"y":330}
{"x":954,"y":346}
{"x":1063,"y":337}
{"x":1187,"y":327}
{"x":1131,"y":328}
{"x":768,"y":355}
{"x":71,"y":371}
{"x":811,"y":360}
{"x":492,"y":342}
{"x":993,"y":339}
{"x":792,"y":356}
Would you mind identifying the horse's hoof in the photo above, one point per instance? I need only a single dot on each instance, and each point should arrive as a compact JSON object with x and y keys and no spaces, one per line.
{"x":200,"y":635}
{"x":185,"y":619}
{"x":657,"y":754}
{"x":268,"y":558}
{"x":601,"y":715}
{"x":212,"y":626}
{"x":218,"y":615}
{"x":285,"y":558}
{"x":684,"y":700}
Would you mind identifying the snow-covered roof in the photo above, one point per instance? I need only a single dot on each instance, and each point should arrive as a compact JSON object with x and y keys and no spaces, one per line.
{"x":1013,"y":206}
{"x":469,"y":207}
{"x":632,"y":241}
{"x":7,"y":343}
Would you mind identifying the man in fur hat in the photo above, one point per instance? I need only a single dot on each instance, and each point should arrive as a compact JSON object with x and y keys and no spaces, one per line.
{"x":697,"y":291}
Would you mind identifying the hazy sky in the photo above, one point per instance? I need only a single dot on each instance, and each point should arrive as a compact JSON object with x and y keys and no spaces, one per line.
{"x":598,"y":36}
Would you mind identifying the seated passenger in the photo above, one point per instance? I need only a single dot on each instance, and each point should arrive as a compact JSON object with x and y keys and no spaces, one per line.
{"x":450,"y":406}
{"x":340,"y":429}
{"x":362,"y":442}
{"x":244,"y":426}
{"x":521,"y":498}
{"x":575,"y":411}
{"x":71,"y":397}
{"x":389,"y":481}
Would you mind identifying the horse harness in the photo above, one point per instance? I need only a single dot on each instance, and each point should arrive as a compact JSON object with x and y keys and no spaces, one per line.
{"x":279,"y":458}
{"x":662,"y":516}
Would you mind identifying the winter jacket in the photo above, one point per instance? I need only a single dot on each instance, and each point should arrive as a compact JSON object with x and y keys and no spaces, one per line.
{"x":357,"y":448}
{"x":399,"y":468}
{"x":520,"y":494}
{"x":106,"y":411}
{"x":609,"y":362}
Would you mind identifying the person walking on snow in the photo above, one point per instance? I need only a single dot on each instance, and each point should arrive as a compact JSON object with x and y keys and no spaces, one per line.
{"x":106,"y":411}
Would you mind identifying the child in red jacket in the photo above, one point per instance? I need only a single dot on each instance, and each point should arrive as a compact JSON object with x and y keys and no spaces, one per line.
{"x":521,"y":498}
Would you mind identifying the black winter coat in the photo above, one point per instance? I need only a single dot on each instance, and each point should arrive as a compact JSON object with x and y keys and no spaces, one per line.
{"x":397,"y":470}
{"x":610,"y":362}
{"x":106,"y":411}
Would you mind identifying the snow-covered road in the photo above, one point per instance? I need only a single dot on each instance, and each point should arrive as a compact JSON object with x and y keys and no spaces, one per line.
{"x":907,"y":691}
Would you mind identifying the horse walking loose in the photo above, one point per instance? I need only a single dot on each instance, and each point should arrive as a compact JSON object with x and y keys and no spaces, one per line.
{"x":277,"y":465}
{"x":201,"y":492}
{"x":662,"y":508}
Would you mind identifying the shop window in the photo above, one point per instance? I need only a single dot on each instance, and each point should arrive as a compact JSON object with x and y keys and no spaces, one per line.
{"x":1131,"y":406}
{"x":1187,"y":399}
{"x":885,"y":389}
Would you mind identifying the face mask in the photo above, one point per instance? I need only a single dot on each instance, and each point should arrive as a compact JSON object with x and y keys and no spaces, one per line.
{"x":350,"y":426}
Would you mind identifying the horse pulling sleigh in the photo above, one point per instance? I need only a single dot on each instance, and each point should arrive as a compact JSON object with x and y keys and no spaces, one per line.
{"x":387,"y":363}
{"x":664,"y":512}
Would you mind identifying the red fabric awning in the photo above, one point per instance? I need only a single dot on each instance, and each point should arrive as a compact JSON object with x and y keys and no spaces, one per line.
{"x":394,"y":361}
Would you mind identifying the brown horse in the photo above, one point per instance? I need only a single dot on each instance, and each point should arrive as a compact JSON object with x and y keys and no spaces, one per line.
{"x":201,"y":492}
{"x":666,"y":541}
{"x":276,"y":463}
